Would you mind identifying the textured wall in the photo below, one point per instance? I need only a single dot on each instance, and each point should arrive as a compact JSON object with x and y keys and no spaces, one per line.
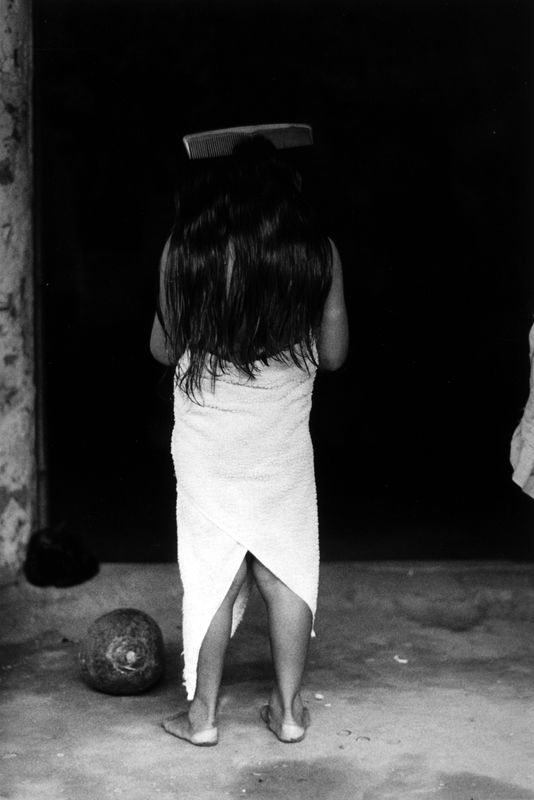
{"x":17,"y":393}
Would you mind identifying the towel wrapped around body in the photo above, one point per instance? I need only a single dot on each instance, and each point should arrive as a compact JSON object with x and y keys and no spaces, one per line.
{"x":243,"y":460}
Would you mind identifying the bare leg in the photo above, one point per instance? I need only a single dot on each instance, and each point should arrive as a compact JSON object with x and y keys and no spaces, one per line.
{"x":196,"y":724}
{"x":290,"y":621}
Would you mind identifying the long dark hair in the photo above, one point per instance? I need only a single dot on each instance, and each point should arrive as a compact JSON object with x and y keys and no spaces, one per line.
{"x":248,"y":269}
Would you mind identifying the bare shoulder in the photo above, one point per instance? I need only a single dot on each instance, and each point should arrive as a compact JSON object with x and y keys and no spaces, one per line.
{"x":333,"y":339}
{"x":336,"y":259}
{"x":335,"y":302}
{"x":158,"y":344}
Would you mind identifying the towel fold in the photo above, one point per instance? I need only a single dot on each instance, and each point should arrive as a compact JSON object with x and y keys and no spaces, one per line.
{"x":243,"y":460}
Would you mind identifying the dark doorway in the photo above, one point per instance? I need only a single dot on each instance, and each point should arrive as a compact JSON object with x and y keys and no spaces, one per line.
{"x":421,"y":114}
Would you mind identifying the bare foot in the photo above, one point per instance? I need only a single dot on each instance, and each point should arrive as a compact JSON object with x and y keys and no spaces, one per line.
{"x":289,"y":727}
{"x":180,"y":726}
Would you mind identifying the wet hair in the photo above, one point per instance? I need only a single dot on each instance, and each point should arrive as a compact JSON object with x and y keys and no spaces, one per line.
{"x":248,"y":268}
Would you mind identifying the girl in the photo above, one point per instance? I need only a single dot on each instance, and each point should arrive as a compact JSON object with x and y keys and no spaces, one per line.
{"x":251,"y":303}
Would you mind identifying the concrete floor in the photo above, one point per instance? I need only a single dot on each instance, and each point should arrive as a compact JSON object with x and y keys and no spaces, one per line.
{"x":420,"y":685}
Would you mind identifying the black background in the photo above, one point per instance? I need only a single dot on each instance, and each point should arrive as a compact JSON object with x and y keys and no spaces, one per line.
{"x":421,"y":116}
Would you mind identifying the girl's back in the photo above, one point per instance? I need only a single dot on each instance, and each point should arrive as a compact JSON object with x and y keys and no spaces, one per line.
{"x":246,"y":272}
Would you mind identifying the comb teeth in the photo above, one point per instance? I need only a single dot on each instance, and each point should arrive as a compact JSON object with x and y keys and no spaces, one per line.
{"x":213,"y":144}
{"x":213,"y":147}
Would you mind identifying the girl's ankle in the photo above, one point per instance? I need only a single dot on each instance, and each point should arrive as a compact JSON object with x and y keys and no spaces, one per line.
{"x":200,"y":713}
{"x":288,"y":712}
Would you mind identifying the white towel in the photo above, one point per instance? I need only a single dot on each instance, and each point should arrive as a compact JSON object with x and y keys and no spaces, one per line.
{"x":522,"y":446}
{"x":245,"y":479}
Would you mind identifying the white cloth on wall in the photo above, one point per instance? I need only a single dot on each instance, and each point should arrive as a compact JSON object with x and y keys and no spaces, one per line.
{"x":245,"y":480}
{"x":522,"y":446}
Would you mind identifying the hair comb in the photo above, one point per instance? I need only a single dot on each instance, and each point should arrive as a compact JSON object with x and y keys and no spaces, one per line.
{"x":211,"y":144}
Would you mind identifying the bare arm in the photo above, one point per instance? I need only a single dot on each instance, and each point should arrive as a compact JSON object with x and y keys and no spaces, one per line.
{"x":333,"y":341}
{"x":157,"y":336}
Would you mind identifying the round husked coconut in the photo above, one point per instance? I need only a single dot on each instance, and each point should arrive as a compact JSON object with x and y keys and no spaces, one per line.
{"x":122,"y":652}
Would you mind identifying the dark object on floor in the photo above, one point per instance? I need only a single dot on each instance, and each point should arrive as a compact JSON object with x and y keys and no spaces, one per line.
{"x":122,"y":653}
{"x":56,"y":557}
